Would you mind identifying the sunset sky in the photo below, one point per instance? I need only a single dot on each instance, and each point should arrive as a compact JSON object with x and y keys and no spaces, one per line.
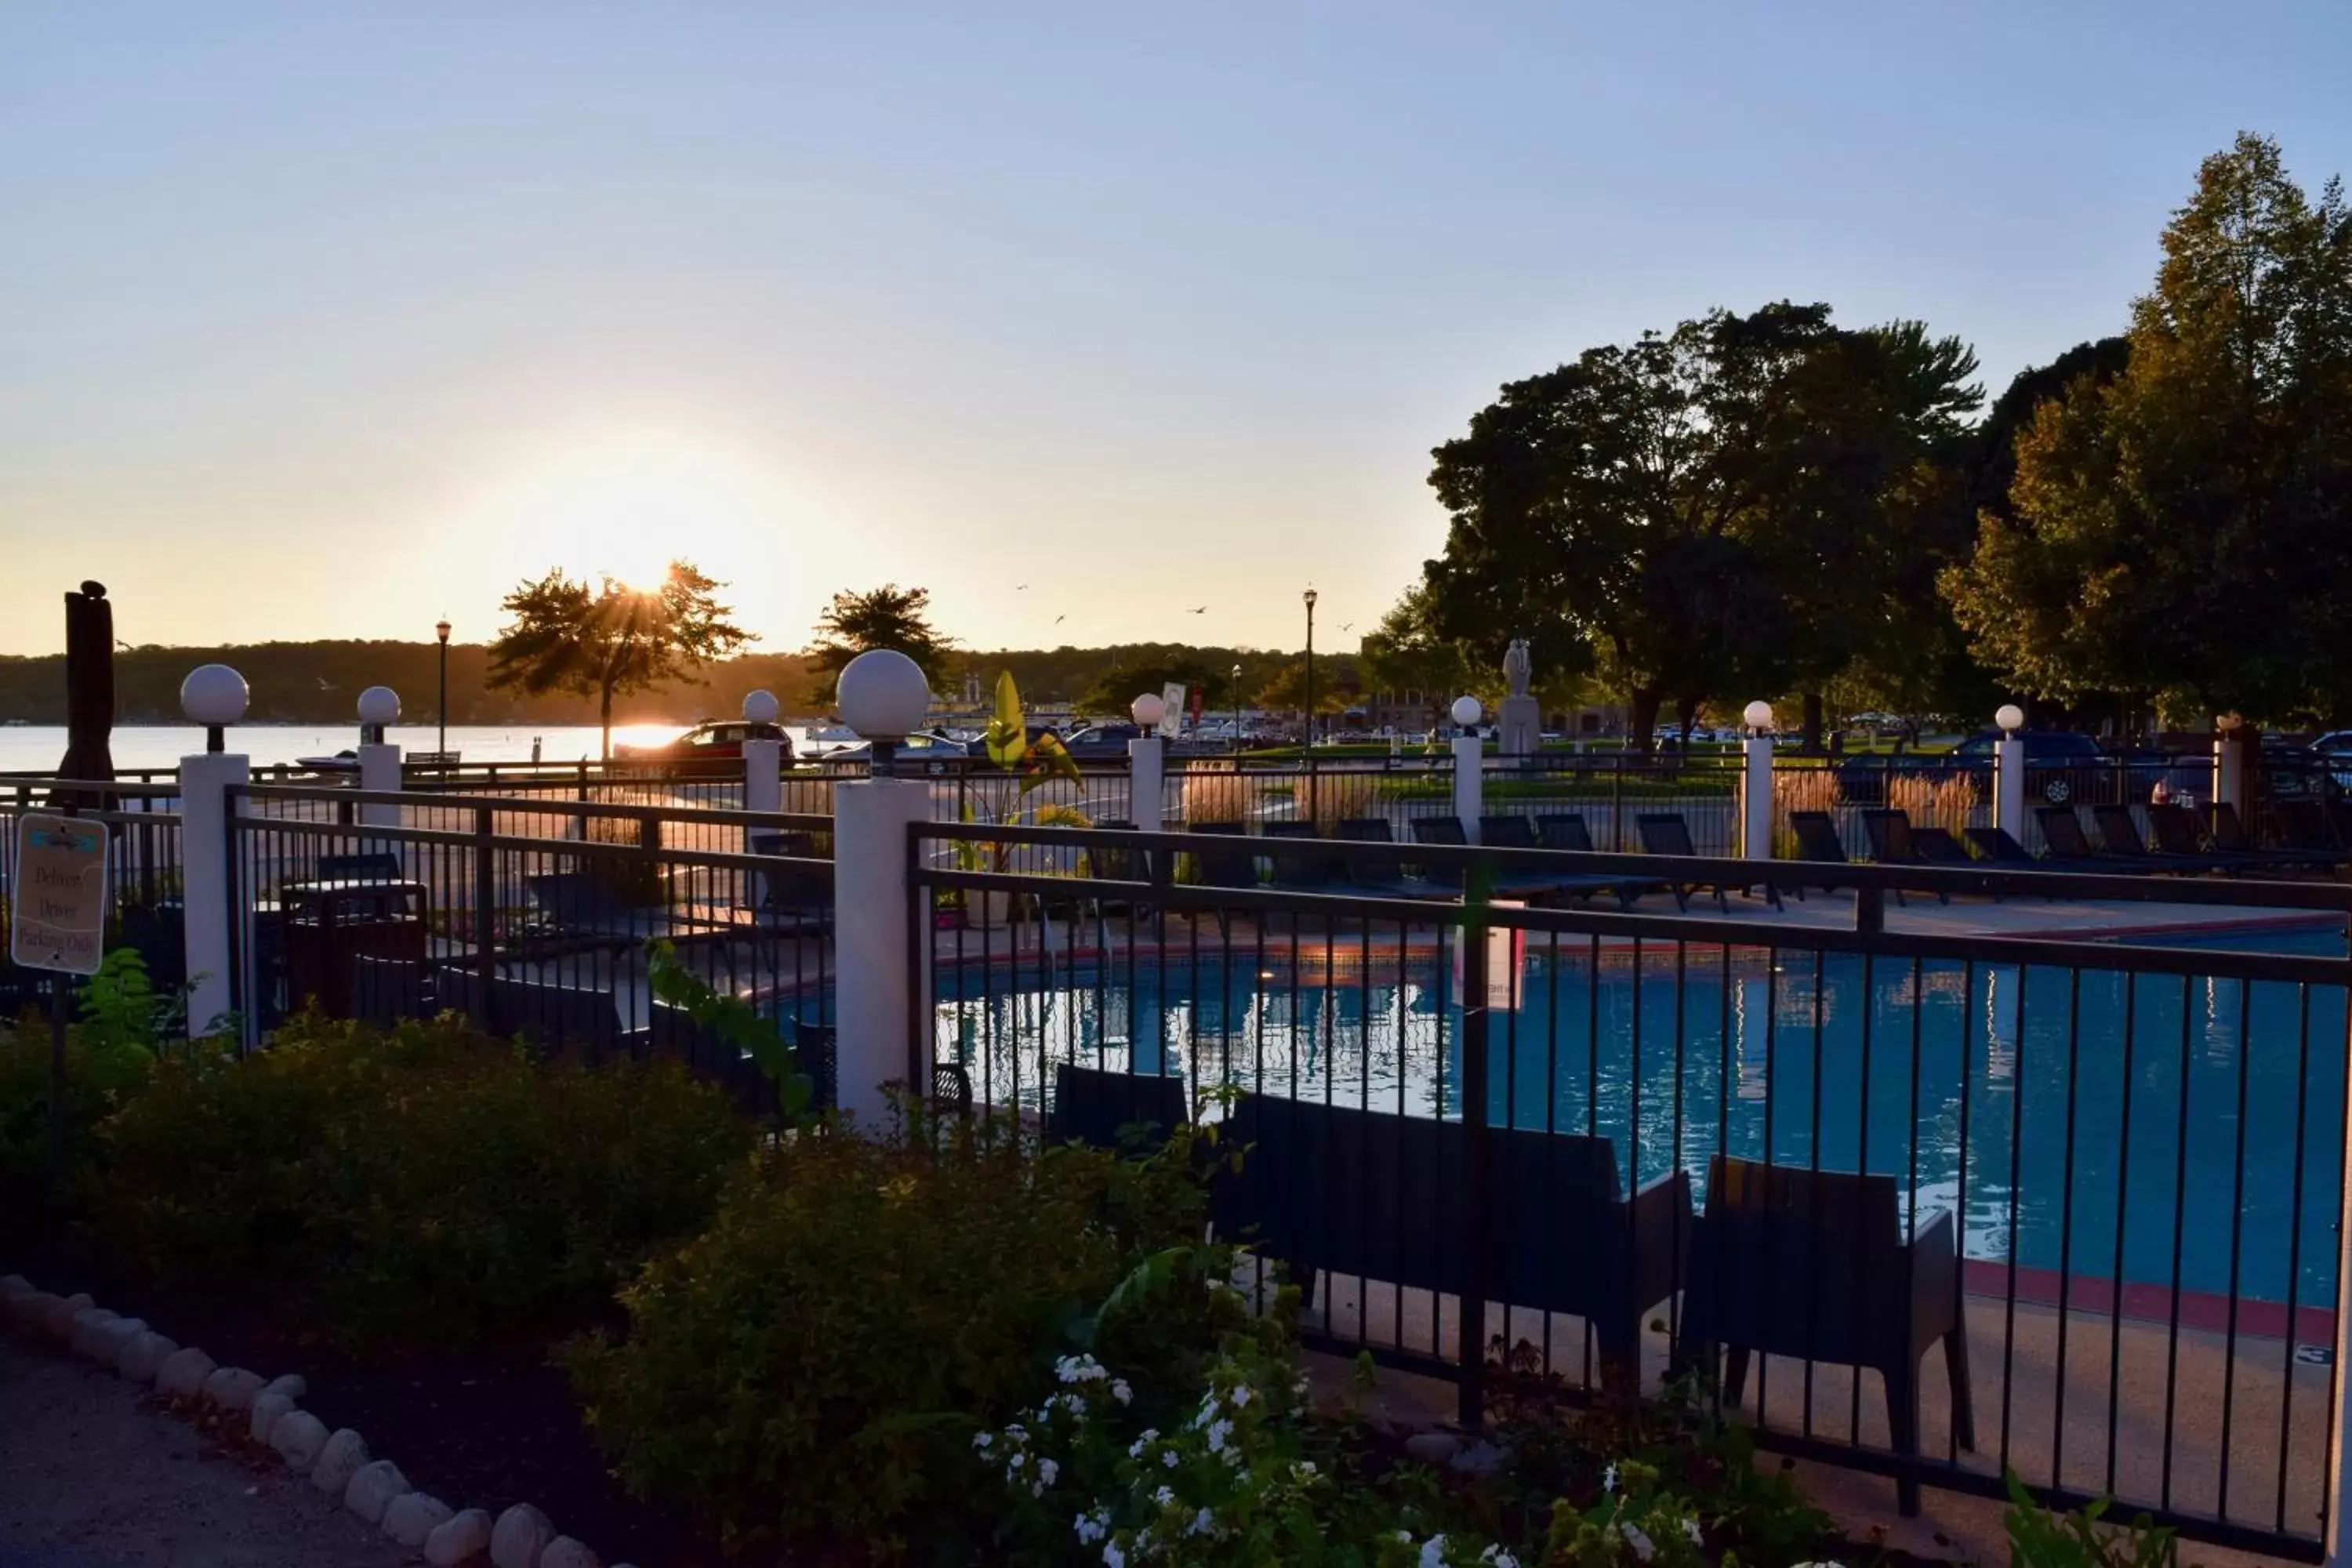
{"x":326,"y":319}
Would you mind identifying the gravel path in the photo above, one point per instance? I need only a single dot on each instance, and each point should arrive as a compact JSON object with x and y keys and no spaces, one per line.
{"x":88,"y":1479}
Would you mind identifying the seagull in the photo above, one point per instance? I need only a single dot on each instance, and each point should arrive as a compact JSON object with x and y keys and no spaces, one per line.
{"x":1059,"y":619}
{"x":1020,"y":587}
{"x":1200,"y":609}
{"x":1348,"y":628}
{"x":322,"y":684}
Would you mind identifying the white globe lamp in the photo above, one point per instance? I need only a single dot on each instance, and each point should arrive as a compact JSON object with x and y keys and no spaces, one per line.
{"x":1147,"y":709}
{"x":761,"y":706}
{"x":215,"y":696}
{"x":1467,"y":711}
{"x":379,"y":707}
{"x":883,"y":697}
{"x":2009,"y":717}
{"x":1758,"y":716}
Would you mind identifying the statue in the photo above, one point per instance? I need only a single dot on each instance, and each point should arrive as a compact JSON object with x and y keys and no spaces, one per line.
{"x":1520,"y":731}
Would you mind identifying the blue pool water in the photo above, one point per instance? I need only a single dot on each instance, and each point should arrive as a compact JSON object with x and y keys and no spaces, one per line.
{"x":2173,"y":1131}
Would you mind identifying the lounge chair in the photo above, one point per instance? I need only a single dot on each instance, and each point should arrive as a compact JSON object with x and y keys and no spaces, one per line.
{"x":1381,"y":876}
{"x":1814,"y":1264}
{"x":1894,"y":842}
{"x":2228,"y":831}
{"x":1222,"y":866}
{"x":1446,"y":831}
{"x":1112,"y":1110}
{"x":1294,"y":871}
{"x":1666,"y":832}
{"x":575,"y":907}
{"x":2177,"y":834}
{"x":1333,"y":1192}
{"x":2120,"y":837}
{"x":1997,"y":848}
{"x":2062,"y":831}
{"x":1513,"y":831}
{"x":1818,"y":844}
{"x":2306,"y":827}
{"x":561,"y":1019}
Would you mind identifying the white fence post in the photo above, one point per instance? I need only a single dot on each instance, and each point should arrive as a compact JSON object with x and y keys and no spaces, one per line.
{"x":1469,"y":783}
{"x":1756,"y":798}
{"x":882,"y":980}
{"x":2230,"y":772}
{"x":379,"y":762}
{"x":213,"y":696}
{"x":2008,"y":786}
{"x":1146,"y":767}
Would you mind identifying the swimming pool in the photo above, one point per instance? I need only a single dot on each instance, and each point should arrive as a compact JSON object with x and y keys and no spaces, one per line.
{"x":2171,"y":1132}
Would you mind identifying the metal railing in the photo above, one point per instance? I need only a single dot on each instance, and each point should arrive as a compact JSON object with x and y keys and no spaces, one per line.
{"x":142,"y":871}
{"x":2095,"y":1185}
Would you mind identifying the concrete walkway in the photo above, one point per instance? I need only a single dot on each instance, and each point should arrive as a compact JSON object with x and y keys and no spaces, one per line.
{"x":89,"y":1479}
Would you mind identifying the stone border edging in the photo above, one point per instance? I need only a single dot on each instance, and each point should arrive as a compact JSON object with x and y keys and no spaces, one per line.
{"x":337,"y":1463}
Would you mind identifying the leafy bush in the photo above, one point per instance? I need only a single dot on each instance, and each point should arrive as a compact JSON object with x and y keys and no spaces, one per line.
{"x":813,"y":1368}
{"x":2040,"y":1539}
{"x":425,"y":1186}
{"x":107,"y":1058}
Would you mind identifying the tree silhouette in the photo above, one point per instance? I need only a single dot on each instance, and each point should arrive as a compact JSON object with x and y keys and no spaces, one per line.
{"x":610,"y":639}
{"x":888,"y":617}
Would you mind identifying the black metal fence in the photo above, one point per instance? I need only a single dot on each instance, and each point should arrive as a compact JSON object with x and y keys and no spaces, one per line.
{"x":142,"y":872}
{"x":539,"y":934}
{"x":2073,"y":1205}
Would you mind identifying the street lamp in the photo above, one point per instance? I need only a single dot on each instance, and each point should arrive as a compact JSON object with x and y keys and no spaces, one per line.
{"x":1237,"y":709}
{"x":441,"y":735}
{"x":1309,"y":597}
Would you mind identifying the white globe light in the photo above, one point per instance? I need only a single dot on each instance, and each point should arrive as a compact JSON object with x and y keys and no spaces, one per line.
{"x":1149,"y":709}
{"x":1758,"y":715}
{"x":883,"y":695}
{"x":2009,"y":717}
{"x":213,"y":695}
{"x":1467,"y":711}
{"x":379,"y":705}
{"x":761,"y":706}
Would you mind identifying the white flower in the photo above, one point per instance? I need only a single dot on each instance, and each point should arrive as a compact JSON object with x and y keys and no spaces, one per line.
{"x":1644,"y":1549}
{"x":1219,"y":1431}
{"x":1691,"y":1530}
{"x":1240,"y":1396}
{"x":981,"y":1440}
{"x":1304,"y":1467}
{"x":1167,"y":1458}
{"x":1498,"y":1557}
{"x":1112,"y":1556}
{"x":1119,"y":1390}
{"x":1406,"y":1536}
{"x":1609,"y":1480}
{"x":1163,"y":1497}
{"x":1151,"y":1436}
{"x":1046,"y":1471}
{"x":1433,"y":1552}
{"x":1018,"y":1460}
{"x":1090,"y":1528}
{"x":1203,"y":1522}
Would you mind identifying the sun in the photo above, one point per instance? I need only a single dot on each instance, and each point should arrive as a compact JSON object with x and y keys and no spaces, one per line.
{"x":624,"y":507}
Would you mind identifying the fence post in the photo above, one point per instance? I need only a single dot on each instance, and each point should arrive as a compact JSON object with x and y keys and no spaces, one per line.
{"x":213,"y":696}
{"x":763,"y":762}
{"x":1146,"y":764}
{"x":2230,"y":772}
{"x":486,"y":909}
{"x":1470,"y":1326}
{"x":1469,"y":783}
{"x":379,"y":762}
{"x":2009,"y":786}
{"x":1756,"y":798}
{"x":879,"y":983}
{"x":2338,"y":1543}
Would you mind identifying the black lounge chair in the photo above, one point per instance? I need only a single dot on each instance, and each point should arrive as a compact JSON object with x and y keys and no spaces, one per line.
{"x":1333,"y":1192}
{"x":1294,"y":870}
{"x":1220,"y":865}
{"x":1382,"y":877}
{"x":2228,"y":831}
{"x":2177,"y":834}
{"x":1513,"y":831}
{"x":2305,"y":826}
{"x":1666,"y":832}
{"x":1565,"y":831}
{"x":1112,"y":1110}
{"x":1446,"y":831}
{"x":1818,"y":844}
{"x":795,"y":895}
{"x":1894,"y":842}
{"x":2120,"y":836}
{"x":2000,"y":850}
{"x":2062,"y":831}
{"x":575,"y":907}
{"x":560,"y":1019}
{"x":1814,"y":1264}
{"x":1936,"y":847}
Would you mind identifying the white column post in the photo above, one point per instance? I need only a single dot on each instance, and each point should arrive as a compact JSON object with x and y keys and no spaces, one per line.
{"x":763,"y":762}
{"x":379,"y":707}
{"x":882,"y":977}
{"x":2009,"y":773}
{"x":1469,"y":783}
{"x":877,"y":986}
{"x":1145,"y":768}
{"x":2230,"y":771}
{"x":1756,"y":798}
{"x":213,"y":696}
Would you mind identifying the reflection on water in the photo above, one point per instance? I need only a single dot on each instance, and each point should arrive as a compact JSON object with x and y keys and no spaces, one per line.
{"x":2040,"y":1105}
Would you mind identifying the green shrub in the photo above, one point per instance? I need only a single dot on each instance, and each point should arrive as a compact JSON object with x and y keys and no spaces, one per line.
{"x":813,"y":1370}
{"x":103,"y":1067}
{"x":424,"y":1186}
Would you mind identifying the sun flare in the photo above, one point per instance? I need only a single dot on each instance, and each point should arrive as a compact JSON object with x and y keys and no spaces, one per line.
{"x":625,"y":509}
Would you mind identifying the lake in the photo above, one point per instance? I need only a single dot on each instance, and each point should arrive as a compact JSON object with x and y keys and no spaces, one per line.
{"x":41,"y":747}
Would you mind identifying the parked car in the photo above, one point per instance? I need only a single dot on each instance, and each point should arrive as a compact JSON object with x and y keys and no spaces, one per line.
{"x":1100,"y":742}
{"x":917,"y":753}
{"x":716,"y":740}
{"x":2061,"y":768}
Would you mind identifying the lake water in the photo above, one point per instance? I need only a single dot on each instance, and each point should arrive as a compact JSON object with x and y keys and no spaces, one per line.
{"x":41,"y":747}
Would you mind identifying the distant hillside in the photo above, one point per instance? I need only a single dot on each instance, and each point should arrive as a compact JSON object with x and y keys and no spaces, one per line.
{"x":316,"y":682}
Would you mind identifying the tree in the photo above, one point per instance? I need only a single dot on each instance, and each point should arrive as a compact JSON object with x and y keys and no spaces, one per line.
{"x":1406,"y":653}
{"x":1111,"y":691}
{"x":1336,"y":684}
{"x":2183,"y":531}
{"x":1699,"y":514}
{"x":888,"y":617}
{"x":611,"y":639}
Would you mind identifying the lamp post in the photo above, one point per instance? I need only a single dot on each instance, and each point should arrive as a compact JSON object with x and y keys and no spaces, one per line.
{"x":1237,"y":709}
{"x":1309,"y":597}
{"x":441,"y":729}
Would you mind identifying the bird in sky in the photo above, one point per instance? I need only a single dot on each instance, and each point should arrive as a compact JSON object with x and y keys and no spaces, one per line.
{"x":1059,"y":619}
{"x":1020,"y":587}
{"x":322,"y":684}
{"x":1200,"y":609}
{"x":1349,"y":626}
